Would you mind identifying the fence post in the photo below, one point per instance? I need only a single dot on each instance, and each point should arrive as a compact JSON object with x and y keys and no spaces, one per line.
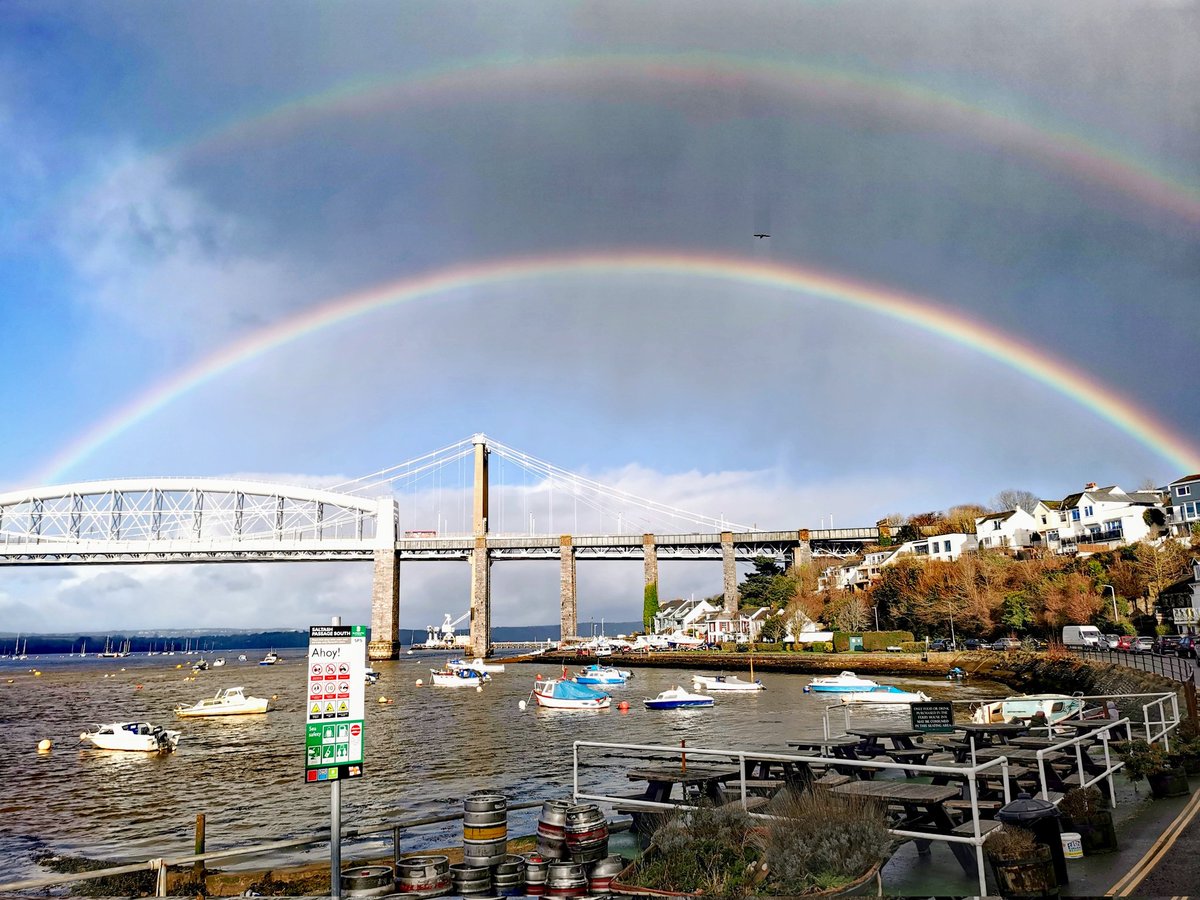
{"x":160,"y":878}
{"x":1189,"y":697}
{"x":198,"y":867}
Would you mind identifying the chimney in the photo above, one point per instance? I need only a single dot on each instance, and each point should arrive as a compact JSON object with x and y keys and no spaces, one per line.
{"x":1090,"y":486}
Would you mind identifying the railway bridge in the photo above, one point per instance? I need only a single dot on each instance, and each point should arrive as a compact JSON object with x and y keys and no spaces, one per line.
{"x":199,"y":520}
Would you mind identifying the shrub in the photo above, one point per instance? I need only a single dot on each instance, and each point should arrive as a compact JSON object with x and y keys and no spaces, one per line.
{"x":1010,"y":843}
{"x":912,"y":646}
{"x":710,"y":850}
{"x":1081,"y":804}
{"x":1142,"y":759}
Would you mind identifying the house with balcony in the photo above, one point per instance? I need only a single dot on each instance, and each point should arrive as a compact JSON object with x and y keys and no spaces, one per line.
{"x":859,"y":575}
{"x":681,"y":615}
{"x":1010,"y":530}
{"x":1183,"y":509}
{"x":742,"y":628}
{"x":1103,"y":517}
{"x":1183,"y":600}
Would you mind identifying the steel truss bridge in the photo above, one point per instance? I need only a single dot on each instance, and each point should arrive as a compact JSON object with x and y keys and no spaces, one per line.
{"x":200,"y":520}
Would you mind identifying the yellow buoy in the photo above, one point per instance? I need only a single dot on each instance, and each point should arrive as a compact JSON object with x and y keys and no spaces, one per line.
{"x":383,"y":699}
{"x":179,"y":665}
{"x":37,"y":674}
{"x":419,"y":682}
{"x":44,"y":745}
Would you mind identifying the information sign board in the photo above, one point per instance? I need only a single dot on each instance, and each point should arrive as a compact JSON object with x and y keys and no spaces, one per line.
{"x":335,"y":700}
{"x":936,"y":717}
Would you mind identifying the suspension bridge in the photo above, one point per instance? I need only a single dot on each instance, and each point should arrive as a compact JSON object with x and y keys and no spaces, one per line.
{"x":443,"y":505}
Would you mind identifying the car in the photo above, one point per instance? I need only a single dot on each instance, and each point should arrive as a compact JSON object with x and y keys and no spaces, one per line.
{"x":1125,"y":642}
{"x":941,"y":644}
{"x":1142,"y":645}
{"x":1109,"y":641}
{"x":1165,"y":645}
{"x":973,"y":644}
{"x":1007,"y":643}
{"x":1186,"y":648}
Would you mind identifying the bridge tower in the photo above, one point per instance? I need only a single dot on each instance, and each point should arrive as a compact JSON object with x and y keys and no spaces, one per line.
{"x":481,"y":586}
{"x":385,"y":586}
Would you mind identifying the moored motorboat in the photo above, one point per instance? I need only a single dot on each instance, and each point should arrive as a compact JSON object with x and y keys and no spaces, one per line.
{"x":729,"y":683}
{"x":217,"y":663}
{"x":475,"y":665}
{"x":1054,"y":707}
{"x":228,"y":702}
{"x":370,"y":675}
{"x":845,"y":681}
{"x":141,"y":737}
{"x":885,"y":694}
{"x":678,"y":698}
{"x":564,"y":694}
{"x":596,"y":674}
{"x":270,"y":659}
{"x":200,"y":665}
{"x":459,"y":677}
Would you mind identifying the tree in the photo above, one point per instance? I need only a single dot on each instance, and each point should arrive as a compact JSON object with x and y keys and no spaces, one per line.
{"x":848,"y":612}
{"x":1011,"y":498}
{"x":773,"y":629}
{"x":1161,"y":565}
{"x":649,"y":606}
{"x":757,"y":584}
{"x":1015,"y":612}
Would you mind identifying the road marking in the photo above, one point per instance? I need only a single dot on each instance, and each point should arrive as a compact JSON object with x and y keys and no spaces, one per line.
{"x":1144,"y":866}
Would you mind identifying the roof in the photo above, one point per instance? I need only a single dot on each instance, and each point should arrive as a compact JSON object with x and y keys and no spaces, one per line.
{"x":1052,"y":504}
{"x":1185,"y":479}
{"x":999,"y":515}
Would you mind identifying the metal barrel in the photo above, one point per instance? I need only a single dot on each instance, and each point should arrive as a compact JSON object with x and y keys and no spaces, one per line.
{"x":470,"y":881}
{"x":367,"y":881}
{"x":586,"y":833}
{"x":535,"y":874}
{"x":423,"y":873}
{"x":550,"y":829}
{"x":603,"y":872}
{"x":508,"y":877}
{"x":485,"y":828}
{"x":566,"y":879}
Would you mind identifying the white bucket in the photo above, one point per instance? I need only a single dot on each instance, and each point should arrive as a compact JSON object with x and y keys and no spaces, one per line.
{"x":1072,"y":845}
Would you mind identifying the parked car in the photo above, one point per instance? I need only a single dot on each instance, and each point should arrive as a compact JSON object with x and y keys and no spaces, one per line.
{"x":1187,"y":647}
{"x":1110,"y":641}
{"x":1125,"y":642}
{"x":1165,"y":645}
{"x":973,"y":644}
{"x":1007,"y":643}
{"x":1142,"y":645}
{"x":941,"y":644}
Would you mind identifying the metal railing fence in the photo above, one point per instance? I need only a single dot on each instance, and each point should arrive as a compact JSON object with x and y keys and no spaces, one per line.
{"x":1172,"y":667}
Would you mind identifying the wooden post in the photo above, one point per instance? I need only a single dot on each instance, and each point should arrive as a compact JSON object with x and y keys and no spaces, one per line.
{"x":198,"y":866}
{"x":1189,"y":696}
{"x":683,"y":758}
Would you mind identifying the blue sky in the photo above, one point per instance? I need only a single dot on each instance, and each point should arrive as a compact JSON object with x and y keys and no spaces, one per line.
{"x":152,"y":215}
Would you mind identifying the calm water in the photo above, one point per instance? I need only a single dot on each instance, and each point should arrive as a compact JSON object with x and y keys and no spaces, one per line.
{"x":424,"y":752}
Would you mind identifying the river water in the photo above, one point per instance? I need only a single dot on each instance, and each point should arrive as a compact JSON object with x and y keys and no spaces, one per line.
{"x":423,"y":752}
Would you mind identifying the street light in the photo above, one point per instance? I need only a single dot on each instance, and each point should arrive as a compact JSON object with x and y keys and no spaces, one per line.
{"x":876,"y":609}
{"x":1114,"y":599}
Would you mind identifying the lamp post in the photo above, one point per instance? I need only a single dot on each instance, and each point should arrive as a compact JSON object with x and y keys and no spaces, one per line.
{"x":876,"y":611}
{"x":953,"y":642}
{"x":1114,"y":599}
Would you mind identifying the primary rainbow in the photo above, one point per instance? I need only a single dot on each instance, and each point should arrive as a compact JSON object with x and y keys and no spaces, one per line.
{"x":1038,"y":364}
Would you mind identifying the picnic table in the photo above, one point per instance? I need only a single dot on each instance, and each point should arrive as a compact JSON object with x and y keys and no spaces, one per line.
{"x":661,"y":781}
{"x":923,"y":808}
{"x":900,"y":738}
{"x":979,"y":734}
{"x":843,"y":747}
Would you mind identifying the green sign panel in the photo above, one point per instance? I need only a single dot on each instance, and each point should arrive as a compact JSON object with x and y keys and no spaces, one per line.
{"x":334,"y":729}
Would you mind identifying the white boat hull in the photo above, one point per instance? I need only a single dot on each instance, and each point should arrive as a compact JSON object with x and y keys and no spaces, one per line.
{"x":726,"y":683}
{"x":230,"y":702}
{"x":118,"y":736}
{"x":543,"y":696}
{"x":885,"y":697}
{"x":455,"y":679}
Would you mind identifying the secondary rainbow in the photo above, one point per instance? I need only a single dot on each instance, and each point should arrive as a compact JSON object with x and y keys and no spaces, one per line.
{"x":922,"y":313}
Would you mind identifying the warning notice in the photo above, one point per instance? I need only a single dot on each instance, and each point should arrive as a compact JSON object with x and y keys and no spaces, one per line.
{"x":336,"y":703}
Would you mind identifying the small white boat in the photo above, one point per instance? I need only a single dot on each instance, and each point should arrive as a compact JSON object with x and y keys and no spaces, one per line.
{"x":596,"y":674}
{"x":200,"y":666}
{"x":370,"y":675}
{"x":229,"y":702}
{"x":241,"y":657}
{"x":846,"y":681}
{"x":459,"y":677}
{"x":141,"y":737}
{"x":563,"y":694}
{"x":678,"y":698}
{"x":1054,"y":707}
{"x":270,"y":659}
{"x":888,"y":694}
{"x":729,"y":683}
{"x":217,"y":663}
{"x":475,"y":665}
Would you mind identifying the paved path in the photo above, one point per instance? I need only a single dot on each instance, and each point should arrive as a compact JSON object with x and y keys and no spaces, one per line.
{"x":1171,"y":865}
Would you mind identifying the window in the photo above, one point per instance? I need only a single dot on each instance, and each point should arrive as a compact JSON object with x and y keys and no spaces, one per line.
{"x":1184,"y":490}
{"x":1087,"y":511}
{"x":1074,"y":515}
{"x":946,"y":546}
{"x":1043,"y":520}
{"x":1052,"y":536}
{"x":996,"y":525}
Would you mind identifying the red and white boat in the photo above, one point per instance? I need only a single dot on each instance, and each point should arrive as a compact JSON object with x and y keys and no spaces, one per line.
{"x":565,"y":694}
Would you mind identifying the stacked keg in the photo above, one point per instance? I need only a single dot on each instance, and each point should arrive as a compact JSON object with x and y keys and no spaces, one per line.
{"x":508,"y":877}
{"x":367,"y":881}
{"x":428,"y":876}
{"x":471,"y":881}
{"x":551,"y":829}
{"x":485,"y":829}
{"x":536,"y":870}
{"x":585,"y":833}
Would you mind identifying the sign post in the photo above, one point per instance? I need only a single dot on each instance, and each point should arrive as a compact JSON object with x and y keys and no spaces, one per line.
{"x":935,"y":717}
{"x":334,"y":731}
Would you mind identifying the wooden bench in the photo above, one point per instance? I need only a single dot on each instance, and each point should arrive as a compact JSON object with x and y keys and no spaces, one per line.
{"x":918,"y":756}
{"x":986,"y":807}
{"x":833,"y":779}
{"x":754,"y":784}
{"x":986,"y":826}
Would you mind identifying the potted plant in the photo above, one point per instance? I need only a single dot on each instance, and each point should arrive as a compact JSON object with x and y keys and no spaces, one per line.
{"x":1150,"y":761}
{"x":1021,"y":866}
{"x":1185,"y":747}
{"x":1085,"y":813}
{"x":814,"y":844}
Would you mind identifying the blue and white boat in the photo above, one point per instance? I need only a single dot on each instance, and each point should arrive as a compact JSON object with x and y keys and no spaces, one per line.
{"x":678,"y":698}
{"x":885,"y":694}
{"x":557,"y":694}
{"x":595,"y":674}
{"x":846,"y":681}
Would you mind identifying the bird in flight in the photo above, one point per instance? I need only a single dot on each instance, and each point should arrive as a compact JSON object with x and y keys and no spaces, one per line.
{"x":762,"y":235}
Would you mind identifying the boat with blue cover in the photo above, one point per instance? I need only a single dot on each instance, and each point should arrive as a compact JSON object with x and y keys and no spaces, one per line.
{"x":564,"y":694}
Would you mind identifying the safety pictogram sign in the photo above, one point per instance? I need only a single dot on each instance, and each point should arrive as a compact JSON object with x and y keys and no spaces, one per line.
{"x":336,"y":685}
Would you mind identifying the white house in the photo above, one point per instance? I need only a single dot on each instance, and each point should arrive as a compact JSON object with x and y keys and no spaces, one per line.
{"x":1102,"y":515}
{"x":681,"y":615}
{"x":743,"y":627}
{"x":1183,"y":599}
{"x":942,"y":547}
{"x":1009,"y":530}
{"x":1183,"y":511}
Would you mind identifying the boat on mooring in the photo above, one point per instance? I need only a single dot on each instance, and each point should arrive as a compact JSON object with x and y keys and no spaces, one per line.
{"x":678,"y":698}
{"x":557,"y":693}
{"x":270,"y":659}
{"x":475,"y":665}
{"x":885,"y":694}
{"x":459,"y":677}
{"x":1054,"y":707}
{"x":140,"y":737}
{"x":844,"y":681}
{"x":596,"y":674}
{"x":729,"y":683}
{"x":228,"y":702}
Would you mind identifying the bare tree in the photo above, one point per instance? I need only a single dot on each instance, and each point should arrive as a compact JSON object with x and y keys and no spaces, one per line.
{"x":1011,"y":498}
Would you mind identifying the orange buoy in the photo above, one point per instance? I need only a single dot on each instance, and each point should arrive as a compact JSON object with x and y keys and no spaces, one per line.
{"x":539,"y":676}
{"x":623,"y":706}
{"x":137,"y":687}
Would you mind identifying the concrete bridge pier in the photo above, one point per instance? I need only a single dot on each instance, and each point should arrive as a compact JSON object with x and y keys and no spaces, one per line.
{"x":569,"y":613}
{"x":729,"y":564}
{"x":385,"y":587}
{"x":802,"y":552}
{"x":649,"y":571}
{"x":481,"y":599}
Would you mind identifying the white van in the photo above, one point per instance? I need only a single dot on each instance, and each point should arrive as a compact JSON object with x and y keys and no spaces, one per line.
{"x":1082,"y":636}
